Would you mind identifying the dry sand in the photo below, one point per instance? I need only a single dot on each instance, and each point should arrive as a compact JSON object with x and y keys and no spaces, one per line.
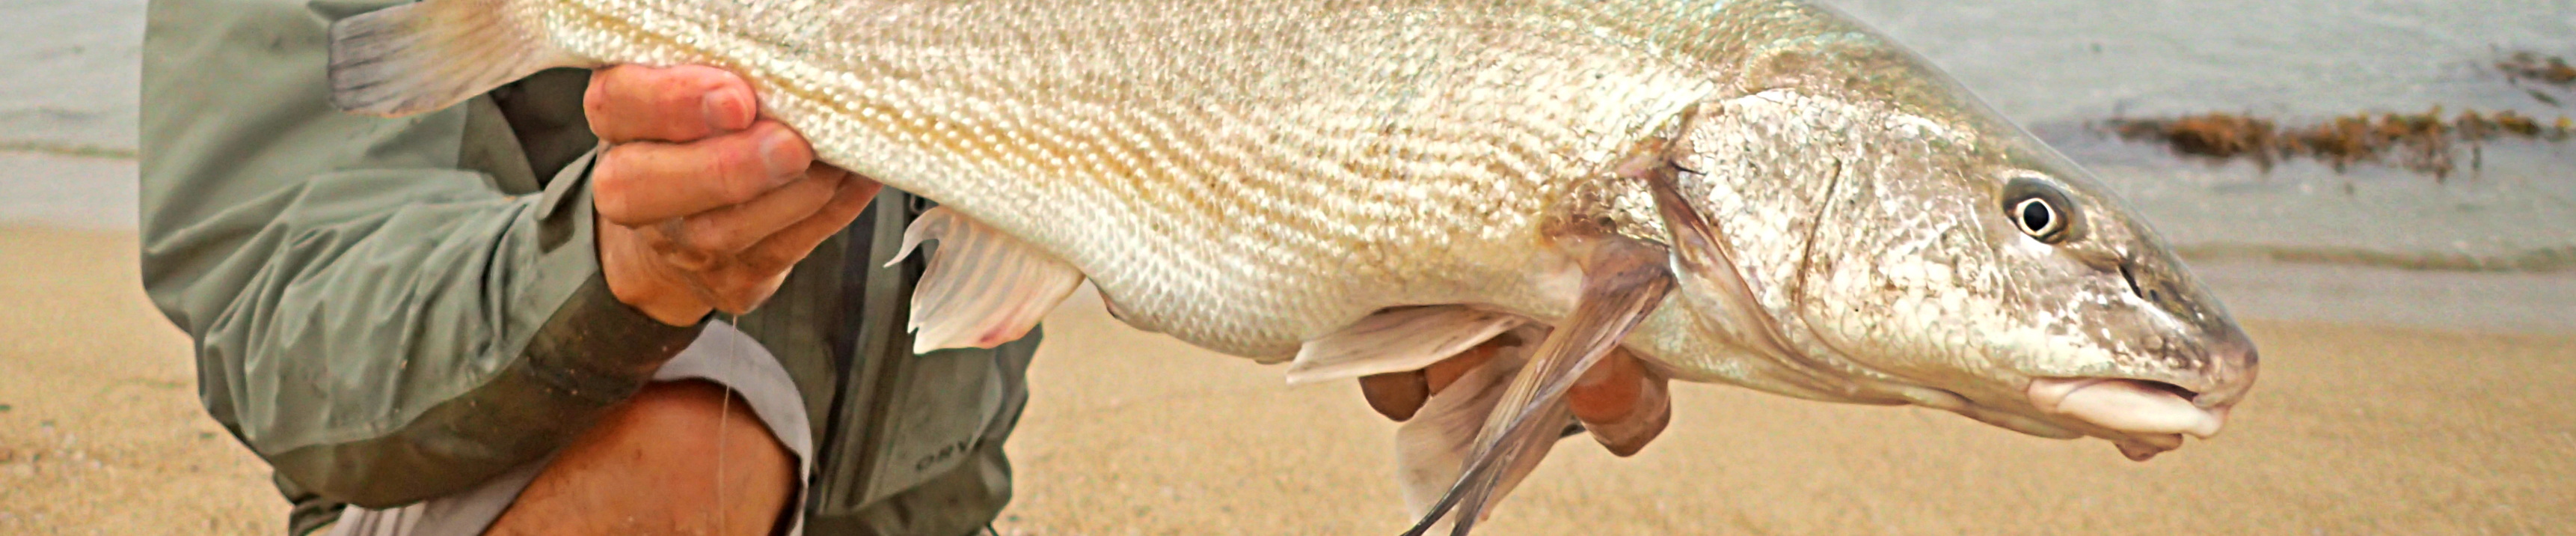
{"x":2355,"y":429}
{"x":102,"y":433}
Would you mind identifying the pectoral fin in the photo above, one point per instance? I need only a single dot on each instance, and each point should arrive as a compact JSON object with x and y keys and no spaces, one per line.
{"x":1432,"y":449}
{"x":1397,"y":340}
{"x":983,"y":287}
{"x":1623,"y":281}
{"x":1704,"y":261}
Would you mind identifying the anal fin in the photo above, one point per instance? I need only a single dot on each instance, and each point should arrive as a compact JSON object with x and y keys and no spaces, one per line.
{"x":1623,"y":281}
{"x":1397,"y":340}
{"x":421,"y":57}
{"x":983,"y":288}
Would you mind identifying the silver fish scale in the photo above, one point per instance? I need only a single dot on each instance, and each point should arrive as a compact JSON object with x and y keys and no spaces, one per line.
{"x":1241,"y":175}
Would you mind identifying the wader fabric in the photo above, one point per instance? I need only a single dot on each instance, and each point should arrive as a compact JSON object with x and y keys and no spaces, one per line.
{"x":721,"y":355}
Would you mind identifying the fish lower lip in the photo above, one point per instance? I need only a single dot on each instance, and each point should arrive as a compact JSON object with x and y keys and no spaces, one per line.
{"x":2142,"y":448}
{"x":2125,"y":405}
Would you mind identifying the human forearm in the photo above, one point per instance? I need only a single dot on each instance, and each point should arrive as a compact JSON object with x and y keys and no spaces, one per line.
{"x":411,"y":350}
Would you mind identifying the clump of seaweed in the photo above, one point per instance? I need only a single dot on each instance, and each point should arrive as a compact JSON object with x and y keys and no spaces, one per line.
{"x":2425,"y":142}
{"x":2545,"y":69}
{"x":2528,"y":65}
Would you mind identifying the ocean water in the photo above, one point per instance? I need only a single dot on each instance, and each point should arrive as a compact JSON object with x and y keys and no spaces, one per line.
{"x":2055,"y":66}
{"x":69,"y":73}
{"x":68,"y":78}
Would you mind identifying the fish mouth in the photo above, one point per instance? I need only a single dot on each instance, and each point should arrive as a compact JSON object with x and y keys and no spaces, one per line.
{"x":2145,"y":417}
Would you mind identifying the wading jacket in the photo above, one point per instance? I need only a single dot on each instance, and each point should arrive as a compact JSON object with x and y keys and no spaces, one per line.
{"x":390,"y":310}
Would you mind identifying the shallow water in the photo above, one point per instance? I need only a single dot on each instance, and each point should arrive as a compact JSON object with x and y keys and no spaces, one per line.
{"x":2054,"y":66}
{"x":69,"y":72}
{"x":68,"y":77}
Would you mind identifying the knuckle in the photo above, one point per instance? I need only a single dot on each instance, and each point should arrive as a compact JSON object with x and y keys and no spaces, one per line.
{"x":603,"y":99}
{"x":602,"y":85}
{"x":605,"y":124}
{"x":611,"y":196}
{"x":715,"y":236}
{"x":687,"y":257}
{"x":739,"y":177}
{"x":731,"y":287}
{"x":594,"y":102}
{"x":770,"y":259}
{"x":655,"y":240}
{"x":614,"y":209}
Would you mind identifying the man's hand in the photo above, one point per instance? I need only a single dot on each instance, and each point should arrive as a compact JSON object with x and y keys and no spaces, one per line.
{"x":703,"y":205}
{"x":1619,"y":401}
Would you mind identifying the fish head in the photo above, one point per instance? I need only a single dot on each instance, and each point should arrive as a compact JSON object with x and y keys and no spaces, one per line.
{"x":2036,"y":297}
{"x":1928,"y":251}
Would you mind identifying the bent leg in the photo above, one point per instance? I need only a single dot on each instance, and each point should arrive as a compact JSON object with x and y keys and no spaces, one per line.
{"x":651,"y":467}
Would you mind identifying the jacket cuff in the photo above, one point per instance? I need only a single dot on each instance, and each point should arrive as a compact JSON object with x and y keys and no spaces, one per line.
{"x":594,"y":345}
{"x":590,"y":353}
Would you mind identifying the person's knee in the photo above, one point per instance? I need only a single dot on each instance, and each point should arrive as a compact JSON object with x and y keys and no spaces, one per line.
{"x":654,"y":465}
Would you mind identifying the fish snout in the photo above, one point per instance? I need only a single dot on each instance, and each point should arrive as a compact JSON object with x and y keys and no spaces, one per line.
{"x":2210,"y":358}
{"x":2229,"y":373}
{"x":2184,"y":383}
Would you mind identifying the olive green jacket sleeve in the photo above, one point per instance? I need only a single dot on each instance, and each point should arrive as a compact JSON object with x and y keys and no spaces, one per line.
{"x":384,"y":309}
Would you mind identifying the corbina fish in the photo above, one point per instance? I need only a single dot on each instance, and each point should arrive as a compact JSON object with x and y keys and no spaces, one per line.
{"x":1761,"y":193}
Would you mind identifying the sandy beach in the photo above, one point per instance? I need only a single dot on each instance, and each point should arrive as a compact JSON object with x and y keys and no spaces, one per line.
{"x":2391,"y":401}
{"x":100,"y":430}
{"x":2355,"y":428}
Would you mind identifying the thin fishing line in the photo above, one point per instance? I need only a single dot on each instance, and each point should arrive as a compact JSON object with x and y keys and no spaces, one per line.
{"x":724,"y":414}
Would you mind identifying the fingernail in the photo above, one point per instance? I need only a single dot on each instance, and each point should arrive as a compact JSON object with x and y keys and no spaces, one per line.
{"x":786,"y":161}
{"x":724,"y":110}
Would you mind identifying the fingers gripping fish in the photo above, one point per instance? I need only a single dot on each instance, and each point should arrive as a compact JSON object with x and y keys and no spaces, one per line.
{"x":1760,"y":193}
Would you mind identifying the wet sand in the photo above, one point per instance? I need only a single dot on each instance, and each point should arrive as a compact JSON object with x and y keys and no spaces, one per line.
{"x":2354,"y":429}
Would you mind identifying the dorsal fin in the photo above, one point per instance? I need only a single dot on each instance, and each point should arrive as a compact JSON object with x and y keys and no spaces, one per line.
{"x":421,"y":57}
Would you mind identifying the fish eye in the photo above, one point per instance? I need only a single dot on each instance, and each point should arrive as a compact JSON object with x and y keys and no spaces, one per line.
{"x":2040,"y":210}
{"x":2037,"y":219}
